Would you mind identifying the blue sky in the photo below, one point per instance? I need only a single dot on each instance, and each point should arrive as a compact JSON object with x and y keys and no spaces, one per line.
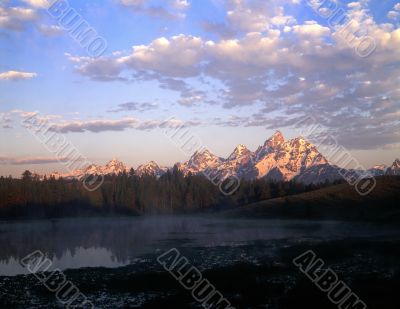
{"x":233,"y":71}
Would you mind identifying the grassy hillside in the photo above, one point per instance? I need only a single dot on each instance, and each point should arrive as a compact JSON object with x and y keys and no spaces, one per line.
{"x":335,"y":202}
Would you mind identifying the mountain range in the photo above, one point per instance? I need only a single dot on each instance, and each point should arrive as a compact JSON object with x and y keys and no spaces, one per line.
{"x":277,"y":159}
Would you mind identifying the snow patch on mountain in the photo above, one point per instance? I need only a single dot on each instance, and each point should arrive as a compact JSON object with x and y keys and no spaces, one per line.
{"x":200,"y":162}
{"x":151,"y":168}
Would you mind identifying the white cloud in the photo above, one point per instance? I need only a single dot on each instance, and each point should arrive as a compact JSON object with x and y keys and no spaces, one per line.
{"x":170,"y":9}
{"x":104,"y":125}
{"x":14,"y":18}
{"x":57,"y":123}
{"x":51,"y":30}
{"x":39,"y":3}
{"x":311,"y":29}
{"x":134,"y":106}
{"x":248,"y":20}
{"x":22,"y":18}
{"x":284,"y":66}
{"x":183,"y":54}
{"x":16,"y":75}
{"x":5,"y":160}
{"x":180,"y":4}
{"x":178,"y":56}
{"x":256,"y":16}
{"x":133,"y":2}
{"x":95,"y":125}
{"x":393,"y":14}
{"x":19,"y":12}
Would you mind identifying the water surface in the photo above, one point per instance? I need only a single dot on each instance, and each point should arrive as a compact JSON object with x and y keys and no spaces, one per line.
{"x":114,"y":242}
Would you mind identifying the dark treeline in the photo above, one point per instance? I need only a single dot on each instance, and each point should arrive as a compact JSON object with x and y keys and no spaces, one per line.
{"x":130,"y":194}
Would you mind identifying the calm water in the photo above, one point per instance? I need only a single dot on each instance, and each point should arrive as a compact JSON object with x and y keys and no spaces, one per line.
{"x":115,"y":242}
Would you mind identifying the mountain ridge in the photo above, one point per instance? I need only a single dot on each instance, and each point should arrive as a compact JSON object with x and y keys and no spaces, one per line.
{"x":277,"y":159}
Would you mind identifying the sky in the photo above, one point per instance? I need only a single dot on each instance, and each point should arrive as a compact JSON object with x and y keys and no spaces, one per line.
{"x":230,"y":71}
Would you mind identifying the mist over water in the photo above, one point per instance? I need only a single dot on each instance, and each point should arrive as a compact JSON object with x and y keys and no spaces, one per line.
{"x":114,"y":242}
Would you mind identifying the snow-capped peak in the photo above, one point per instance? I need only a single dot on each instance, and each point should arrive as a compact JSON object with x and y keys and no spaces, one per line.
{"x":275,"y":140}
{"x":204,"y":153}
{"x":239,"y":152}
{"x":379,"y":167}
{"x":286,"y":159}
{"x":114,"y":167}
{"x":378,"y":170}
{"x":151,"y":168}
{"x":276,"y":159}
{"x":199,"y":162}
{"x":114,"y":161}
{"x":203,"y":156}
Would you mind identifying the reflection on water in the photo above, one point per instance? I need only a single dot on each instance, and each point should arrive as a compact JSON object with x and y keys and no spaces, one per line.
{"x":114,"y":242}
{"x":80,"y":257}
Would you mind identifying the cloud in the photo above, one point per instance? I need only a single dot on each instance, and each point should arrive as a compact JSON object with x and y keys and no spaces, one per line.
{"x":50,"y":30}
{"x":253,"y":16}
{"x":39,"y":3}
{"x":279,"y":65}
{"x":180,"y":4}
{"x":14,"y":18}
{"x":183,"y":54}
{"x":4,"y":160}
{"x":220,"y":29}
{"x":95,"y":126}
{"x":170,"y":9}
{"x":393,"y":14}
{"x":23,"y":18}
{"x":5,"y":121}
{"x":134,"y":106}
{"x":256,"y":16}
{"x":311,"y":29}
{"x":55,"y":123}
{"x":16,"y":75}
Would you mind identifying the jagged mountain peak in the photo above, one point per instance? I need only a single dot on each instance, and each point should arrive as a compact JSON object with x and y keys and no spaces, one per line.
{"x":378,"y":170}
{"x":300,"y":139}
{"x":115,"y":166}
{"x":238,"y":152}
{"x":151,"y":168}
{"x":241,"y":147}
{"x":151,"y":163}
{"x":277,"y":159}
{"x":200,"y":161}
{"x":297,"y":141}
{"x":203,"y":155}
{"x":278,"y":134}
{"x":275,"y":140}
{"x":203,"y":152}
{"x":394,"y":169}
{"x":379,"y":167}
{"x":287,"y":159}
{"x":114,"y":161}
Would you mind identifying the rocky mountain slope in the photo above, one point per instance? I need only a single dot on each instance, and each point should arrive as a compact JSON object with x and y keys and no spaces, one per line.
{"x":277,"y":159}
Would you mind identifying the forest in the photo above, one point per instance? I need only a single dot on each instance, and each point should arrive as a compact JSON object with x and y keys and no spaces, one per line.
{"x":129,"y":194}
